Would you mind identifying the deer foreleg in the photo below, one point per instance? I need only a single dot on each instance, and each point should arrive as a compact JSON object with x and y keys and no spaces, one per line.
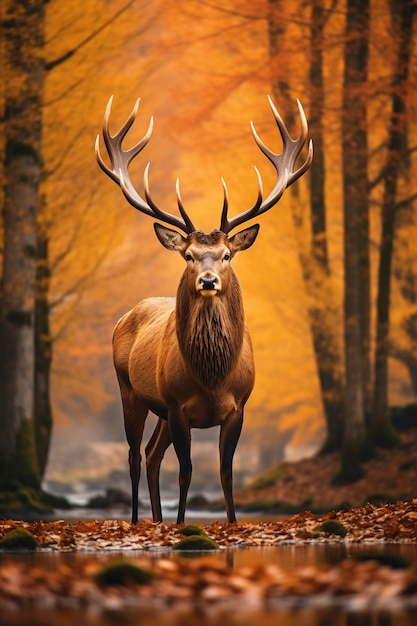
{"x":181,"y":438}
{"x":134,"y":412}
{"x":229,"y":436}
{"x":155,"y":450}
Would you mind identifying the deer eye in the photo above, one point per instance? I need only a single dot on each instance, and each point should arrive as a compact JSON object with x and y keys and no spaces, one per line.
{"x":188,"y":257}
{"x":226,"y":257}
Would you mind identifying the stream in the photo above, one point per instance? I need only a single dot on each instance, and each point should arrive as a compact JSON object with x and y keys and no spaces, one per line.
{"x":285,"y":613}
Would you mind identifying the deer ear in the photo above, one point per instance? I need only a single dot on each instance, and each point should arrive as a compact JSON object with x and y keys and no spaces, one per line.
{"x":244,"y":239}
{"x":170,"y":239}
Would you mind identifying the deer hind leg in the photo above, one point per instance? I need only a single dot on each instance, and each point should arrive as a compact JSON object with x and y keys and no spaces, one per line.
{"x":229,"y":436}
{"x":181,"y":438}
{"x":134,"y":412}
{"x":155,"y":450}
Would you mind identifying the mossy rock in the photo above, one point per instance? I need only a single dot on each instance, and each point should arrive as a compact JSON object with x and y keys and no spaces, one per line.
{"x":56,"y":502}
{"x":332,"y":527}
{"x":198,"y":501}
{"x":123,"y":573}
{"x":196,"y":543}
{"x":31,"y":499}
{"x":379,"y":499}
{"x":269,"y":479}
{"x":191,"y":530}
{"x":28,"y":499}
{"x":18,"y":539}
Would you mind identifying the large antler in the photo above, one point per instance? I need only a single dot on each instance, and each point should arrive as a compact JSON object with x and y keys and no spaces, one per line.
{"x":120,"y":161}
{"x":284,"y":164}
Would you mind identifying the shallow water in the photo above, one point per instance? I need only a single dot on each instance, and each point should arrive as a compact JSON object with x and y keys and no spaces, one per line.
{"x":287,"y":556}
{"x":213,"y":617}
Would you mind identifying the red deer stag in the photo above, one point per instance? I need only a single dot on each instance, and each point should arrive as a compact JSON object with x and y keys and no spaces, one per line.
{"x":189,"y":359}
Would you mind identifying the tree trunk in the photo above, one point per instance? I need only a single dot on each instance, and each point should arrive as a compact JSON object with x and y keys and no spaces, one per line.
{"x":43,"y":354}
{"x":22,"y":28}
{"x":354,"y":197}
{"x":380,"y":425}
{"x":314,"y":262}
{"x":323,"y":314}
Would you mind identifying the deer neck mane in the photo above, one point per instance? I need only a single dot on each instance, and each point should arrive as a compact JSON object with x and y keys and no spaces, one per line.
{"x":210,"y":332}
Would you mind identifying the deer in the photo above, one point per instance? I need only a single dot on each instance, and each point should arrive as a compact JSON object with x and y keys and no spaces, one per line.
{"x":189,"y":359}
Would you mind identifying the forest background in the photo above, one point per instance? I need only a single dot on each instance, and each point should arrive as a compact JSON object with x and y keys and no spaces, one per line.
{"x":330,"y":288}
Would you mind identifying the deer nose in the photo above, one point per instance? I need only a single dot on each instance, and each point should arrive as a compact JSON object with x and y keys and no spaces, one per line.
{"x":208,"y":283}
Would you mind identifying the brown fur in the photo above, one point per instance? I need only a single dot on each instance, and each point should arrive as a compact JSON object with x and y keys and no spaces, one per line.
{"x":210,"y":333}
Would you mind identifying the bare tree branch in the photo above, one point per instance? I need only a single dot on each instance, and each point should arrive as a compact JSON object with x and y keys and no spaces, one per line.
{"x":52,"y":64}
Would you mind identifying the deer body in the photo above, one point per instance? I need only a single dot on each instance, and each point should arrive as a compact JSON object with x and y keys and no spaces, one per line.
{"x":189,"y":360}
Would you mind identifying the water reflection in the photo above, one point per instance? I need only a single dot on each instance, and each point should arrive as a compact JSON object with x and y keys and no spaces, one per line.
{"x":287,"y":557}
{"x":212,"y":617}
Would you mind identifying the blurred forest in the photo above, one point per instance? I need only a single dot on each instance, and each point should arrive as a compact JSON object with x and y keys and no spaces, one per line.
{"x":330,"y":288}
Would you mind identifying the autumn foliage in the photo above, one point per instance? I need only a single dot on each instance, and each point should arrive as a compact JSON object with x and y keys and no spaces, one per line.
{"x":204,"y":70}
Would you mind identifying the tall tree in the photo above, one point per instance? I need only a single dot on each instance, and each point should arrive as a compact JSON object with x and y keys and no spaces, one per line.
{"x":314,"y":260}
{"x":43,"y":339}
{"x":402,"y":23}
{"x":317,"y":272}
{"x":355,"y":208}
{"x":23,"y":33}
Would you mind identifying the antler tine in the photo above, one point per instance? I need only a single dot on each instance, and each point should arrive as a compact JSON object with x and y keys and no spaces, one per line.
{"x":120,"y":160}
{"x":224,"y":223}
{"x":296,"y":144}
{"x":190,"y":225}
{"x":283,"y":163}
{"x":114,"y":142}
{"x":227,"y":225}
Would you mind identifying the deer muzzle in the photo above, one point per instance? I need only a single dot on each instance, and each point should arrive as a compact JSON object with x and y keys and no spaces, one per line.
{"x":208,"y":284}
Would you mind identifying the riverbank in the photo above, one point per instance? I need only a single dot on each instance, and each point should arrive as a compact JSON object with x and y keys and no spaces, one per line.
{"x":388,"y":523}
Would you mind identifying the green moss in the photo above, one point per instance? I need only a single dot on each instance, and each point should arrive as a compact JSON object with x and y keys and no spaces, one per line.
{"x":123,"y":573}
{"x":26,"y":458}
{"x":18,"y":539}
{"x":196,"y":543}
{"x":269,"y":479}
{"x":191,"y":530}
{"x":332,"y":527}
{"x":275,"y":507}
{"x":56,"y":502}
{"x":198,"y":501}
{"x":25,"y":499}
